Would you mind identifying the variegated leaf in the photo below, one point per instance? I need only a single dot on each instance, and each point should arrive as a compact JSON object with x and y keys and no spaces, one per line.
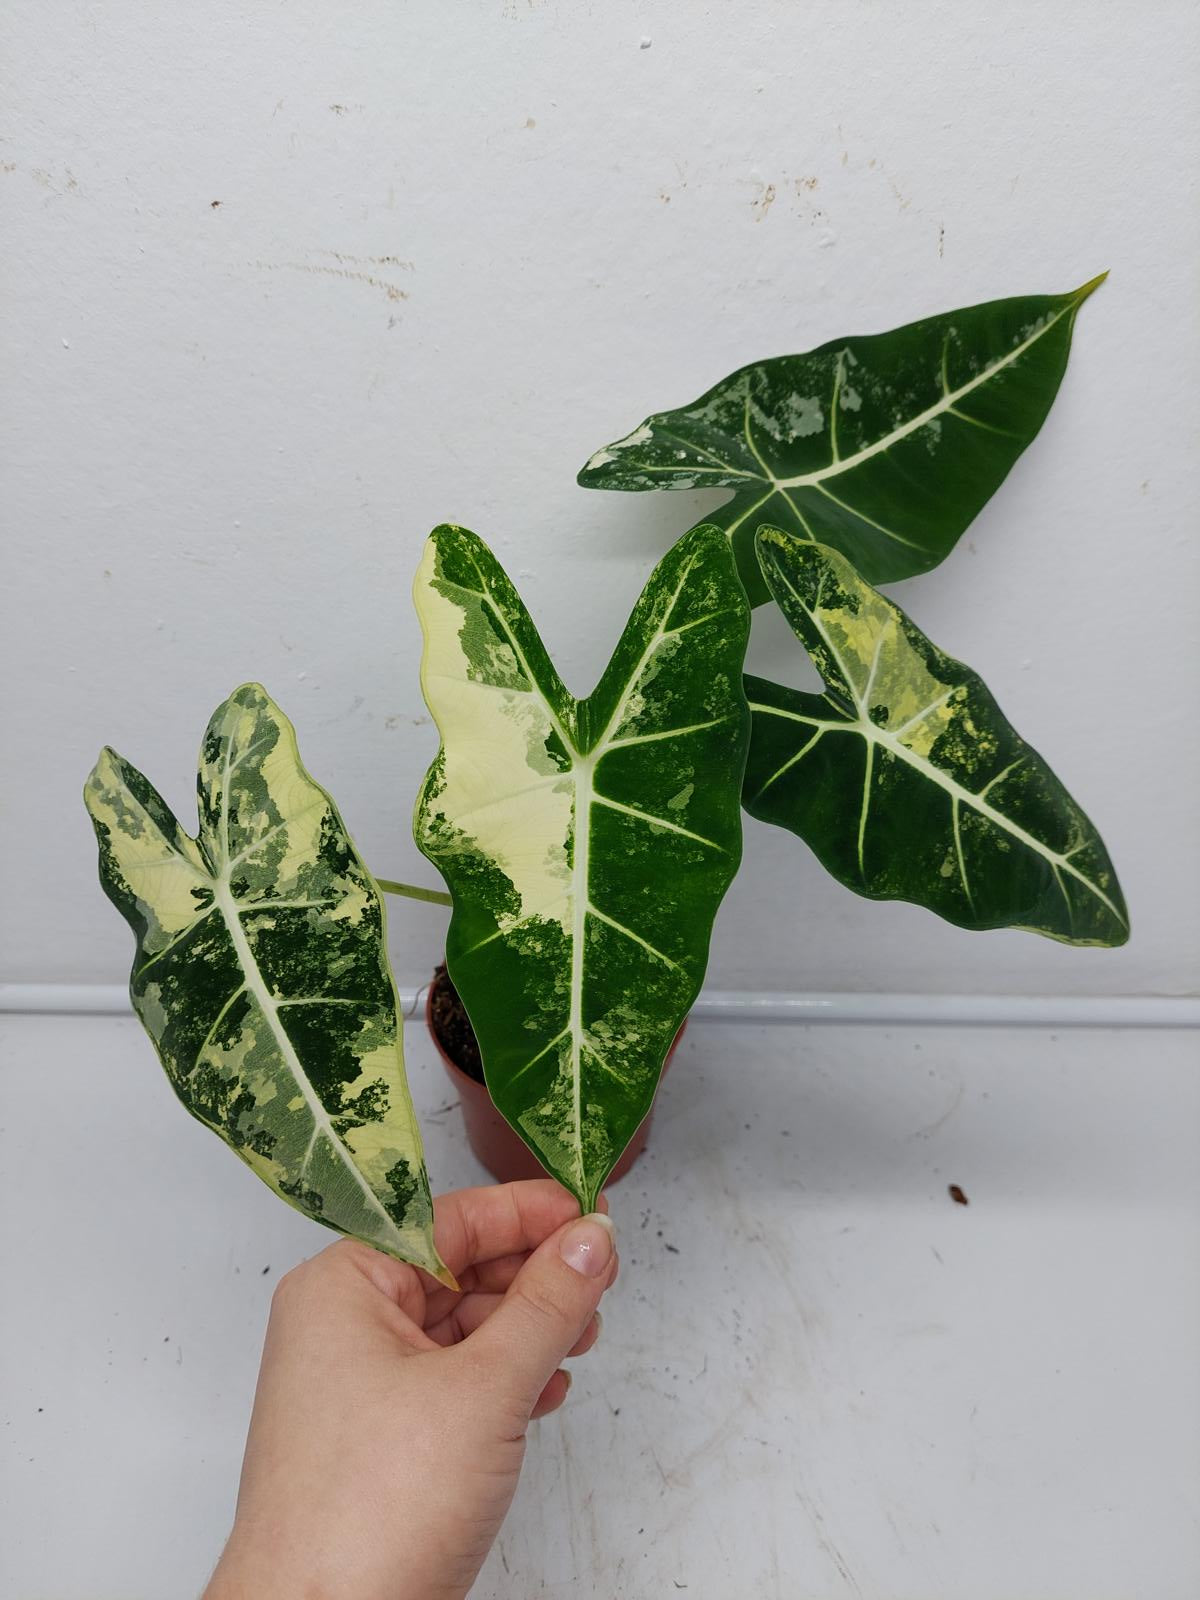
{"x":587,"y":843}
{"x":883,"y":447}
{"x":905,"y":777}
{"x":262,"y":977}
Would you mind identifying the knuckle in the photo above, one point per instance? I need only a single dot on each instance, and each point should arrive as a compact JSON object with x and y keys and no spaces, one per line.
{"x":288,"y":1289}
{"x":346,"y":1252}
{"x":542,"y":1300}
{"x":297,"y":1283}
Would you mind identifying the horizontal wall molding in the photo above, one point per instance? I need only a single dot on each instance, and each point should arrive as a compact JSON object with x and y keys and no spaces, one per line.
{"x":752,"y":1006}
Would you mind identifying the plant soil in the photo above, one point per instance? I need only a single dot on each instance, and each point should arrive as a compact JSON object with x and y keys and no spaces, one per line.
{"x":453,"y":1027}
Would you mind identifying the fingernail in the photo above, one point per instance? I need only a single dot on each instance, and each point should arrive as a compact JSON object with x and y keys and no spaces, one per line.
{"x":599,"y":1321}
{"x":587,"y":1246}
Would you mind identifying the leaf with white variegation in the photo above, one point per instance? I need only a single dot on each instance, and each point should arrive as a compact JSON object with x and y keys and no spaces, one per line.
{"x":884,"y":447}
{"x":906,"y":779}
{"x":587,"y":843}
{"x":261,"y":976}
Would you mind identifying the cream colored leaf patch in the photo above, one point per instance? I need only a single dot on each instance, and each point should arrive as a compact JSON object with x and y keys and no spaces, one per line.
{"x":262,"y":978}
{"x":587,"y":843}
{"x":906,"y":778}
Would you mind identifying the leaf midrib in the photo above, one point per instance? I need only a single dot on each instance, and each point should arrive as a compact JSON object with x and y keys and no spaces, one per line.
{"x":256,"y":987}
{"x":583,"y":766}
{"x":842,"y":464}
{"x":875,"y":735}
{"x":949,"y":398}
{"x":870,"y":731}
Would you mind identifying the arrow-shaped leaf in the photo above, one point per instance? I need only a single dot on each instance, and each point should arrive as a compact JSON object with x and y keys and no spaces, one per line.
{"x":587,"y":843}
{"x":883,"y":447}
{"x":261,"y":975}
{"x":905,"y":777}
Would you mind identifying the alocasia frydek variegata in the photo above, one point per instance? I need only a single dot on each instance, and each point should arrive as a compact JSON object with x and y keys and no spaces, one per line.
{"x":587,"y":843}
{"x":905,"y":777}
{"x":882,"y":446}
{"x":261,"y":975}
{"x":861,"y":462}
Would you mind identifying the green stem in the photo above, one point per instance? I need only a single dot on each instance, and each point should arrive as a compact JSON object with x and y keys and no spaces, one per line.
{"x":411,"y":892}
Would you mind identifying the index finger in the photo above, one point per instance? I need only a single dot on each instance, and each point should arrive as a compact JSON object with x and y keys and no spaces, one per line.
{"x":474,"y":1225}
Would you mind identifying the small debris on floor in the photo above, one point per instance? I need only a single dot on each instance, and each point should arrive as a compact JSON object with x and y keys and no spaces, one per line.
{"x":957,"y":1195}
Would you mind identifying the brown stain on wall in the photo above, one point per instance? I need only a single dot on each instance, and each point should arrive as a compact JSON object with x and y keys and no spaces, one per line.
{"x":763,"y":201}
{"x":342,"y":258}
{"x":353,"y":275}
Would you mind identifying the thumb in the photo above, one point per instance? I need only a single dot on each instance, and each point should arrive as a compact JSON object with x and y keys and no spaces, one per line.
{"x":547,"y":1307}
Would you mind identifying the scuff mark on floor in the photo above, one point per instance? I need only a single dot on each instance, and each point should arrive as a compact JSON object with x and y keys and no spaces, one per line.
{"x":825,"y":1539}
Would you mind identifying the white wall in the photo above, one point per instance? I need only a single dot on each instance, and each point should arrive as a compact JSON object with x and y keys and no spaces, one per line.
{"x":459,"y":247}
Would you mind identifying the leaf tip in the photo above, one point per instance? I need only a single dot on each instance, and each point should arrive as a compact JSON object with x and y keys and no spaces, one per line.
{"x":444,"y":1276}
{"x":250,"y":695}
{"x":765,"y":535}
{"x":1089,"y":287}
{"x":104,"y":764}
{"x":451,"y":535}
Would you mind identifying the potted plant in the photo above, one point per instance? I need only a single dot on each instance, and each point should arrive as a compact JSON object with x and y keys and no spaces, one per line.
{"x":586,"y":843}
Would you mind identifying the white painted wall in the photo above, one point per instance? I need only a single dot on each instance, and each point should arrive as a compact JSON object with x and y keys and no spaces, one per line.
{"x":285,"y":286}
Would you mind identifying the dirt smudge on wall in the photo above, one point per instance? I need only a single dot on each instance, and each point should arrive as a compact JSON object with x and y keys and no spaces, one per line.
{"x":352,"y":274}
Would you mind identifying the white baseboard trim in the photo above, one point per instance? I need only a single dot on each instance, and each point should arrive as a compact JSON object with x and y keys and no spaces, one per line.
{"x":748,"y":1005}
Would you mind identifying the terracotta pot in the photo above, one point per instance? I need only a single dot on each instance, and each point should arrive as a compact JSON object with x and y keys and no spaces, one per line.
{"x":503,"y":1152}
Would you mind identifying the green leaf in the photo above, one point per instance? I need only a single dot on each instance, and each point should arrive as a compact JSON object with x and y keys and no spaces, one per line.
{"x":905,"y":777}
{"x":261,"y":975}
{"x":587,"y":843}
{"x":883,"y":447}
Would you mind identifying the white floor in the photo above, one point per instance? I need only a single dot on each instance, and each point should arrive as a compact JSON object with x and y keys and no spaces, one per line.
{"x":820,"y":1378}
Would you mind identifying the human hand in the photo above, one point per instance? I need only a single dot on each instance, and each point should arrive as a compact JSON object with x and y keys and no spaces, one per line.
{"x":389,"y":1423}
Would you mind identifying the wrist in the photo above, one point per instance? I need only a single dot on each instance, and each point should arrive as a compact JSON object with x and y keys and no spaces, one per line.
{"x":251,"y":1568}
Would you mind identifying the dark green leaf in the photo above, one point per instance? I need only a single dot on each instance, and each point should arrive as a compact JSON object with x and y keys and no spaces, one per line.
{"x":883,"y":447}
{"x":905,"y":777}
